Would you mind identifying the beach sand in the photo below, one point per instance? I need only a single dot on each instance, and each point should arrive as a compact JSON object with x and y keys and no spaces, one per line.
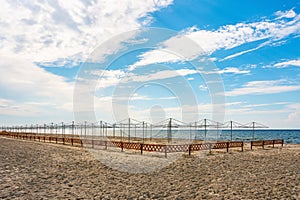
{"x":33,"y":170}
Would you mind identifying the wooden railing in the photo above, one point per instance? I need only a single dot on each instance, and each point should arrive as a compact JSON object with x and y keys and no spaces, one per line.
{"x":263,"y":143}
{"x":161,"y":148}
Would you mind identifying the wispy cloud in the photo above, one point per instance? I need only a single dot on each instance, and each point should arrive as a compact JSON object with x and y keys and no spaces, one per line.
{"x":226,"y":37}
{"x":228,"y":70}
{"x":288,"y":63}
{"x":263,"y":87}
{"x":285,"y":14}
{"x":108,"y":78}
{"x":230,"y":36}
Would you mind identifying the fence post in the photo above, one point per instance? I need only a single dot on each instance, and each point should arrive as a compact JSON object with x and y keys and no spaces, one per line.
{"x":263,"y":144}
{"x":273,"y":143}
{"x":72,"y":141}
{"x":141,"y":144}
{"x":166,"y":150}
{"x":122,"y":146}
{"x":227,"y":146}
{"x":190,"y":147}
{"x":282,"y":141}
{"x":92,"y":143}
{"x":251,"y":145}
{"x":242,"y":146}
{"x":210,"y":146}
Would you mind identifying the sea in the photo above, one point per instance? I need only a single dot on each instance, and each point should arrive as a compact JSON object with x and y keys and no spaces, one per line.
{"x":290,"y":136}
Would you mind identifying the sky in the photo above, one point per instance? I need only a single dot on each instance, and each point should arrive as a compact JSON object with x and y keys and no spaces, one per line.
{"x":150,"y":60}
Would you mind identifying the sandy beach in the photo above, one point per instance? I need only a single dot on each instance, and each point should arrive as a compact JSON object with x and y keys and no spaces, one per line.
{"x":33,"y":170}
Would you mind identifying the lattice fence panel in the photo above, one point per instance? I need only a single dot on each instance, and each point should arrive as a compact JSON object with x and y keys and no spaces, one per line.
{"x":128,"y":145}
{"x":178,"y":148}
{"x":235,"y":144}
{"x":154,"y":147}
{"x":220,"y":145}
{"x":278,"y":141}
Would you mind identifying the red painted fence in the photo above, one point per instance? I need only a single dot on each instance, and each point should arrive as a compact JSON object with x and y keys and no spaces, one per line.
{"x":162,"y":148}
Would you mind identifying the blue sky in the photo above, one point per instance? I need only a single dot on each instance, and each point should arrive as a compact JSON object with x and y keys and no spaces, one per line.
{"x":149,"y":60}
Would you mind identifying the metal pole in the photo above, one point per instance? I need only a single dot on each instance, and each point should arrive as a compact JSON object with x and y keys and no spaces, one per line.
{"x":62,"y":131}
{"x":85,"y":129}
{"x":114,"y":126}
{"x":143,"y":131}
{"x":101,"y":130}
{"x":170,"y":130}
{"x":253,"y":125}
{"x":129,"y":129}
{"x":106,"y":129}
{"x":205,"y":130}
{"x":72,"y":129}
{"x":230,"y":130}
{"x":37,"y":129}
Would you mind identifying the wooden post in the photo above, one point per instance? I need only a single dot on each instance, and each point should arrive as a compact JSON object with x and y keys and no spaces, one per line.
{"x":282,"y":141}
{"x":273,"y":143}
{"x":190,"y":148}
{"x":141,"y":144}
{"x":263,"y":144}
{"x":242,"y":146}
{"x":227,"y":146}
{"x":210,"y":147}
{"x":122,"y":146}
{"x":166,"y":150}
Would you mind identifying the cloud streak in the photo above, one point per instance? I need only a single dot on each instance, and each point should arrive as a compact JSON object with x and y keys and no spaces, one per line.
{"x":288,"y":63}
{"x":263,"y":87}
{"x":225,"y":37}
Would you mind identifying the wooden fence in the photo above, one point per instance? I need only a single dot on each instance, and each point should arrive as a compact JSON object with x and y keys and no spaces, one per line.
{"x":263,"y":143}
{"x":161,"y":148}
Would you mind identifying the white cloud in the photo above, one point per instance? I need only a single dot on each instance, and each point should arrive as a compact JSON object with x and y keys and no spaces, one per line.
{"x":285,"y":14}
{"x":288,"y":63}
{"x":109,"y":78}
{"x":230,"y":36}
{"x":226,"y":37}
{"x":234,"y":70}
{"x":227,"y":70}
{"x":263,"y":87}
{"x":52,"y":30}
{"x":295,"y":112}
{"x":177,"y":48}
{"x":23,"y":81}
{"x":58,"y":32}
